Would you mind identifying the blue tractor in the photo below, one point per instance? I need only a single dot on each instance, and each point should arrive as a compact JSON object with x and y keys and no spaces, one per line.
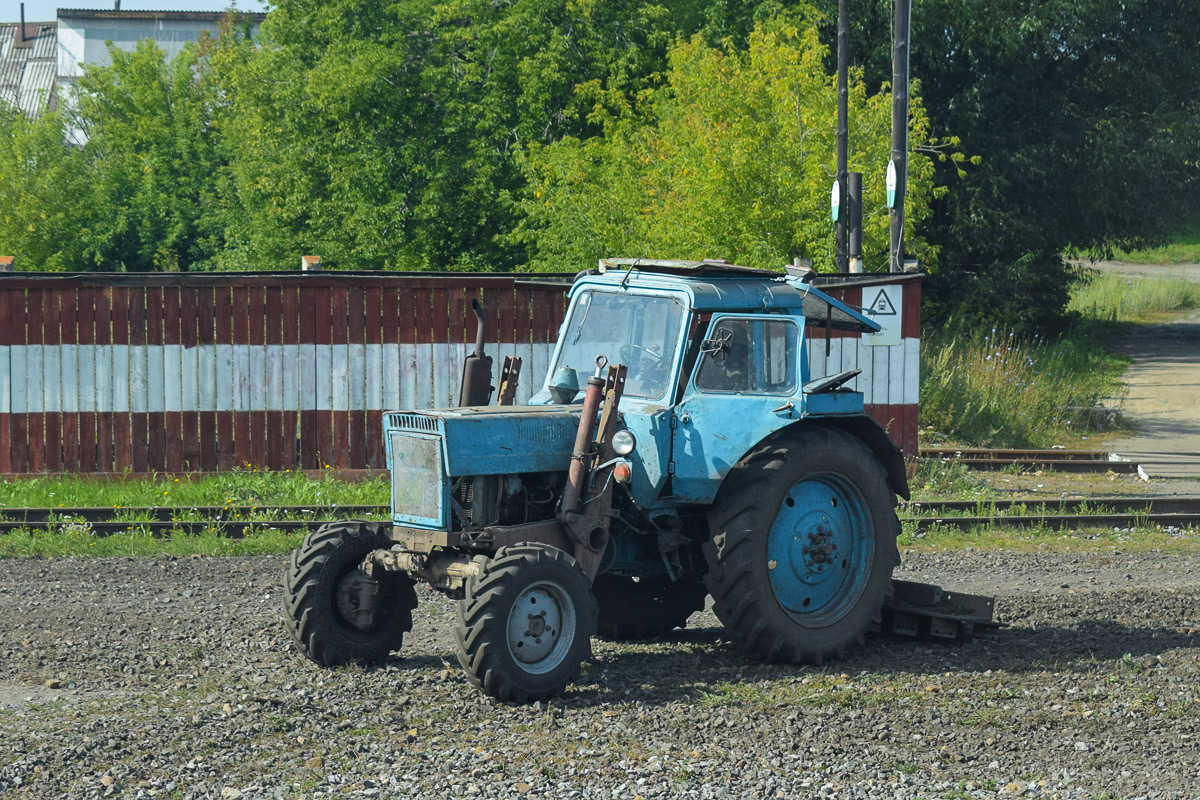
{"x":677,"y":448}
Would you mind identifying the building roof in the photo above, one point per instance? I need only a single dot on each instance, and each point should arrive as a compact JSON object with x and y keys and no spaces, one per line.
{"x":196,"y":16}
{"x":28,"y":66}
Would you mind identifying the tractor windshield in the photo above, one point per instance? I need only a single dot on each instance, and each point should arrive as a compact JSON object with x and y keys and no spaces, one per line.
{"x":639,"y":331}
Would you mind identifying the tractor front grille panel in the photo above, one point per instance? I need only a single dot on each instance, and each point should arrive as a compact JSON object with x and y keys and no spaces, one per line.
{"x":413,"y":422}
{"x":417,"y":476}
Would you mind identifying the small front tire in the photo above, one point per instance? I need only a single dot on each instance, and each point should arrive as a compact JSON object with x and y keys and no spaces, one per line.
{"x":336,"y":613}
{"x":525,"y":623}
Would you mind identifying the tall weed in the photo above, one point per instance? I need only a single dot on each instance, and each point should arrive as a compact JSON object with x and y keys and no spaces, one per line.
{"x":996,"y":389}
{"x":1119,"y":298}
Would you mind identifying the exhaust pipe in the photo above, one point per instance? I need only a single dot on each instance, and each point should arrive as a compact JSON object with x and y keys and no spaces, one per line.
{"x":477,"y":369}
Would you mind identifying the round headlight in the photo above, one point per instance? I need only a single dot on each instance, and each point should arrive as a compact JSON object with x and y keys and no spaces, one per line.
{"x":623,"y":442}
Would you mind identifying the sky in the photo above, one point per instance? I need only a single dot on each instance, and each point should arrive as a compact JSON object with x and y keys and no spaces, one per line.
{"x":47,"y":10}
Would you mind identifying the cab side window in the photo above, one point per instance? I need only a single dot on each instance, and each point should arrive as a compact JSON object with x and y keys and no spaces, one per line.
{"x":750,"y":355}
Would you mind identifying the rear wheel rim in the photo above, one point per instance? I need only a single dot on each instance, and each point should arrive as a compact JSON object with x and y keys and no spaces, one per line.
{"x":541,"y":627}
{"x":820,"y":550}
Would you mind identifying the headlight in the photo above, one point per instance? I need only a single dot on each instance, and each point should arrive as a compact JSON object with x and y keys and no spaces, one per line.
{"x":623,"y":443}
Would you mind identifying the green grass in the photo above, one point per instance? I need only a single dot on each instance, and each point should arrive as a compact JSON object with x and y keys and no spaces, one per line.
{"x":1119,"y":298}
{"x":1182,"y":247}
{"x":995,"y":389}
{"x":239,"y":487}
{"x":76,"y":541}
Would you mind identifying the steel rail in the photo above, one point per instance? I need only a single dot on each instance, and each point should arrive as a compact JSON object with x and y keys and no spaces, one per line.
{"x":172,"y":513}
{"x":1060,"y":521}
{"x":1058,"y":460}
{"x":991,"y":453}
{"x":1175,"y":504}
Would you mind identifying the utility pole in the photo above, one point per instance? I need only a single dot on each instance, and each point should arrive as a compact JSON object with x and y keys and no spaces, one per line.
{"x":843,"y":62}
{"x":900,"y":41}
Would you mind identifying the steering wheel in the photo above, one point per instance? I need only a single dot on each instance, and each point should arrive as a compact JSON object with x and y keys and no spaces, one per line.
{"x":648,"y":360}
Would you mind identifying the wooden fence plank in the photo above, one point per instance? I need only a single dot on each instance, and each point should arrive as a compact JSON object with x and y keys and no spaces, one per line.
{"x":226,"y":456}
{"x":273,"y":349}
{"x":86,"y":390}
{"x":18,"y":428}
{"x":34,"y":381}
{"x":373,"y":455}
{"x":105,"y":435}
{"x":6,"y":387}
{"x":256,"y":309}
{"x":356,"y":377}
{"x":156,"y":383}
{"x":206,"y":384}
{"x":189,"y":378}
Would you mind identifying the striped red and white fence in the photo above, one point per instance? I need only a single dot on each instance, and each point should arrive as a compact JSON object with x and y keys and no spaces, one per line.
{"x":105,"y":373}
{"x":891,"y":373}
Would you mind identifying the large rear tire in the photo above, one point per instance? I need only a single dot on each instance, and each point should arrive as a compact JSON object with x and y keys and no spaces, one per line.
{"x":641,"y":609}
{"x":333,"y":610}
{"x":525,"y":623}
{"x":803,"y":546}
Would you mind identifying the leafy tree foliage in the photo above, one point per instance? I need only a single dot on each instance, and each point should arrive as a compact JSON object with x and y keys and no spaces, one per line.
{"x":152,"y":161}
{"x":382,"y":135}
{"x":733,"y":157}
{"x":46,"y":193}
{"x":1086,"y":119}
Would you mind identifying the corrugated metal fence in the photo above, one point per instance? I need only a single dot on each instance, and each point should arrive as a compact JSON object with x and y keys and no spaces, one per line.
{"x":172,"y":373}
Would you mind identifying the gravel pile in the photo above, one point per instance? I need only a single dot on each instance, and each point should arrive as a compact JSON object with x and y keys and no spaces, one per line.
{"x":173,"y":678}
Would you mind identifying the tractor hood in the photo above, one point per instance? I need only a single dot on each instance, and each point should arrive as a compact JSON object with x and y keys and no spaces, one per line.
{"x":489,"y":440}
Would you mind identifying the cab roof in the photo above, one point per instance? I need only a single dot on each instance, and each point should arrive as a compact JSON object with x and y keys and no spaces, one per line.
{"x":718,"y":286}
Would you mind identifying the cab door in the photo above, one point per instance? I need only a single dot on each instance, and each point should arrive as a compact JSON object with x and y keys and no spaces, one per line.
{"x":745,"y":385}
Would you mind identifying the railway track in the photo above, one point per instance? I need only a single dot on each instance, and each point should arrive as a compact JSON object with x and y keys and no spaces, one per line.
{"x":1058,"y":513}
{"x":231,"y":521}
{"x":1058,"y":460}
{"x":236,"y":521}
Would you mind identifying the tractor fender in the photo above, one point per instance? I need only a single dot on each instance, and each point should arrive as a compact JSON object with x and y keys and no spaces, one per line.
{"x":871,"y":434}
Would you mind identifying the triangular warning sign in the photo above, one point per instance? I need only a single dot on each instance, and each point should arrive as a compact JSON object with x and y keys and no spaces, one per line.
{"x":882,"y":306}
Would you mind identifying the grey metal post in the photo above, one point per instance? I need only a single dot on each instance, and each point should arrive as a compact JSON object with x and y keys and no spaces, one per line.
{"x":900,"y":41}
{"x":854,"y":199}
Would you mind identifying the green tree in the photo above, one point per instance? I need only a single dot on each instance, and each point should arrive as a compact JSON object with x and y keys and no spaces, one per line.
{"x":1086,"y":119}
{"x":46,"y":193}
{"x":152,"y":159}
{"x":383,"y":135}
{"x":733,"y":158}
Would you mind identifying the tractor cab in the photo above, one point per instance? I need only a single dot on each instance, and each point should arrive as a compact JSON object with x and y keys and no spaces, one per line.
{"x":716,"y":357}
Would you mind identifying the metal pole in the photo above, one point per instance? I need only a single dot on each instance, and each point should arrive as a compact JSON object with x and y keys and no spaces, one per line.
{"x":843,"y":94}
{"x":900,"y":40}
{"x":854,"y":196}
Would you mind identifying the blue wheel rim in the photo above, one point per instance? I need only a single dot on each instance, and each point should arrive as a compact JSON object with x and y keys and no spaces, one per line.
{"x":820,"y":550}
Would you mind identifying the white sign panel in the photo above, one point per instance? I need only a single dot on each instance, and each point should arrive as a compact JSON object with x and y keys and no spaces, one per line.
{"x":882,"y":304}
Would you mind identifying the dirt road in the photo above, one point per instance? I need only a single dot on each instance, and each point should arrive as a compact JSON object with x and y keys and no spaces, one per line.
{"x":1163,"y":398}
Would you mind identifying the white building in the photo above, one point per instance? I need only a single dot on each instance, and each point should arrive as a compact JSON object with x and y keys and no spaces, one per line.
{"x":40,"y":61}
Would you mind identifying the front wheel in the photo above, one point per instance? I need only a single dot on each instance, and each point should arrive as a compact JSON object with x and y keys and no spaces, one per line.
{"x":803,"y":546}
{"x":525,"y":623}
{"x":334,"y":611}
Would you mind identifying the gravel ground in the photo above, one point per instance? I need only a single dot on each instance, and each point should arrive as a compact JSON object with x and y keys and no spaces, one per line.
{"x":173,"y":678}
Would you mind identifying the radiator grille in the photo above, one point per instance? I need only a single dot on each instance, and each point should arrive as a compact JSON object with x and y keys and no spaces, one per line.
{"x":417,"y":477}
{"x":413,"y":422}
